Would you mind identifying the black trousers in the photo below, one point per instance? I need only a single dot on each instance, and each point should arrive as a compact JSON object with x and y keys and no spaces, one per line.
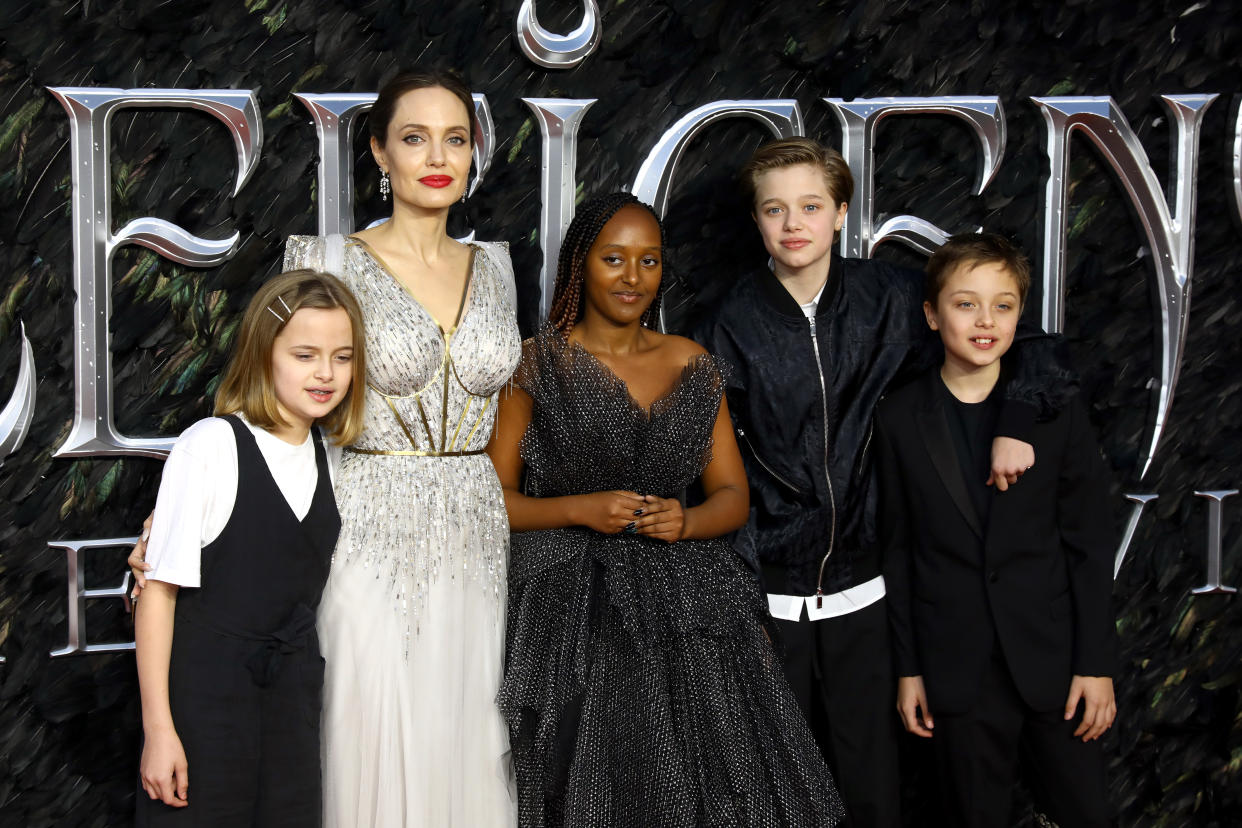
{"x":979,"y":752}
{"x":841,"y":672}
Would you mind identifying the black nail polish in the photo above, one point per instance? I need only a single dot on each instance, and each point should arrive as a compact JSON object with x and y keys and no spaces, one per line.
{"x":638,"y":512}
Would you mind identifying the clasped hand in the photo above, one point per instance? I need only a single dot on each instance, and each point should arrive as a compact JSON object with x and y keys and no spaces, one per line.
{"x":618,"y":512}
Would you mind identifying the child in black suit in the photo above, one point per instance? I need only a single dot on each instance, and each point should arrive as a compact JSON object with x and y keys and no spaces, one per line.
{"x":998,"y":602}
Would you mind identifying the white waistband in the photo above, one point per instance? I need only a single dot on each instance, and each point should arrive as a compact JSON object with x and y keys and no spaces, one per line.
{"x":789,"y":607}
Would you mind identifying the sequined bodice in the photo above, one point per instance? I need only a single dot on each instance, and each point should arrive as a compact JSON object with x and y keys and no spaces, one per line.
{"x":429,"y":389}
{"x":588,"y":434}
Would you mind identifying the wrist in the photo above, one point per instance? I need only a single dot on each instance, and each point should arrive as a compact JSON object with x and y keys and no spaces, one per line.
{"x":574,"y":511}
{"x":687,"y":524}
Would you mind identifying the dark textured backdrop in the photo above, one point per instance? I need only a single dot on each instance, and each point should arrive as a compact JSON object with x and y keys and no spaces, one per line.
{"x":69,"y":727}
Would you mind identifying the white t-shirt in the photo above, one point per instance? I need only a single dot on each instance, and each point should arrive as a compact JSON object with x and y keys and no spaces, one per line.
{"x":810,"y":307}
{"x":199,"y":488}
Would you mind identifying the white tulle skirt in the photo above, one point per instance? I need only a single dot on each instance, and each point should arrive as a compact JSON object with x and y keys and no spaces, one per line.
{"x":412,"y":736}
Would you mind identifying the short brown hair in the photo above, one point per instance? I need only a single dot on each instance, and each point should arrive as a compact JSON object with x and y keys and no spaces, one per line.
{"x":970,"y":250}
{"x":381,"y":114}
{"x":247,"y":385}
{"x":789,"y":152}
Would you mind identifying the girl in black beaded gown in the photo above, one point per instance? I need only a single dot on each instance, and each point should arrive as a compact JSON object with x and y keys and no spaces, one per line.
{"x":640,"y":688}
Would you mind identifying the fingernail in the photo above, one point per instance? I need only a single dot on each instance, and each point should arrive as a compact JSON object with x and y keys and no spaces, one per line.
{"x":146,"y":533}
{"x":638,"y":512}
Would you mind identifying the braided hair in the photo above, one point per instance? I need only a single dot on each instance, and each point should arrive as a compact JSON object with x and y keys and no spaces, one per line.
{"x":589,"y":220}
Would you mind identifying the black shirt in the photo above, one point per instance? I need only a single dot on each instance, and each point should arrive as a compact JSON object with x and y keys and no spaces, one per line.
{"x":972,"y":426}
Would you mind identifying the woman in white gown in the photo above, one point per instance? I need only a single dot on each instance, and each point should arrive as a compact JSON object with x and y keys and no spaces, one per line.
{"x":412,"y":619}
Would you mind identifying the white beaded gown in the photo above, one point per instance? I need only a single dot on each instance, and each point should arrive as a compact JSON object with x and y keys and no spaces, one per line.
{"x":412,"y":619}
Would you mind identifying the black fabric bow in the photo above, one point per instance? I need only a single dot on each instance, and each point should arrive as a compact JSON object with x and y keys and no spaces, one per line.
{"x":266,"y":662}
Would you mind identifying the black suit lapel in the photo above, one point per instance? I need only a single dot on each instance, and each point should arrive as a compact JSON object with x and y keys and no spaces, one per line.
{"x":934,"y":429}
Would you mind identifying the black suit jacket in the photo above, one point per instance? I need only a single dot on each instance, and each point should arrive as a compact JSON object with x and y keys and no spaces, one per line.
{"x":1035,"y":581}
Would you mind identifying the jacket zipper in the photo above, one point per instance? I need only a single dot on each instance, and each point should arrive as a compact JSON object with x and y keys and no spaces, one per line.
{"x":766,"y":467}
{"x":832,"y":501}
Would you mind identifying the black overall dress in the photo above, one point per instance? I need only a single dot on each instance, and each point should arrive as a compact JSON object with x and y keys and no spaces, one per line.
{"x":246,"y":678}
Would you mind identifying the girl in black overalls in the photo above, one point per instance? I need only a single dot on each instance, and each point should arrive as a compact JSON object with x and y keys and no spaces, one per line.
{"x":245,"y":524}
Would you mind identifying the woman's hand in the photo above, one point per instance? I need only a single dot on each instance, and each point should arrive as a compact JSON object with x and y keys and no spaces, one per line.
{"x":607,"y":512}
{"x":137,"y":560}
{"x":912,"y":706}
{"x":662,"y":518}
{"x":164,"y":771}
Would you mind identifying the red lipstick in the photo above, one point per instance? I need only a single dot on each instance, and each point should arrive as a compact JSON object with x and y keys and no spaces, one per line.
{"x":437,"y":181}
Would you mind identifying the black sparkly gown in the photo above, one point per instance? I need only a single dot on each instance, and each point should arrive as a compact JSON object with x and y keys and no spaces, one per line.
{"x":640,"y":689}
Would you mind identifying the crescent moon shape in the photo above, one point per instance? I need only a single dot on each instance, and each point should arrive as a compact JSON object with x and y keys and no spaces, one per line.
{"x":19,"y":411}
{"x":554,"y":51}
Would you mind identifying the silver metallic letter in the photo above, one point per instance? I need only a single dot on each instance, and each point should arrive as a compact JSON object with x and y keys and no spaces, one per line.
{"x":559,"y":120}
{"x":859,"y":120}
{"x":1213,"y":552}
{"x":655,"y":176}
{"x":19,"y":411}
{"x":484,"y":141}
{"x":1136,"y":511}
{"x":553,"y":51}
{"x":90,"y":113}
{"x":1237,"y":163}
{"x":79,"y":594}
{"x":335,"y":116}
{"x":1169,"y":233}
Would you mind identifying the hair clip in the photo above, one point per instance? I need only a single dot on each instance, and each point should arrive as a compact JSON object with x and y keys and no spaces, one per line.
{"x":288,"y":310}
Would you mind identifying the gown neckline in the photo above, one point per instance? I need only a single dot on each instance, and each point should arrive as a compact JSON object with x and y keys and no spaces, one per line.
{"x":467,"y":295}
{"x":648,"y":411}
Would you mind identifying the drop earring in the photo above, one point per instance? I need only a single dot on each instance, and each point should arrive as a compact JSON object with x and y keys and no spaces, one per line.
{"x":385,"y":186}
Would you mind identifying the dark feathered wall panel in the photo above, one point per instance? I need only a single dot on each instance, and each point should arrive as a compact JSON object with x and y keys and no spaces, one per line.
{"x":69,"y":727}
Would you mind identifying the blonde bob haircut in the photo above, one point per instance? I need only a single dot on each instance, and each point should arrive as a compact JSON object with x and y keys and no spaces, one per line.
{"x":789,"y":152}
{"x":247,"y":385}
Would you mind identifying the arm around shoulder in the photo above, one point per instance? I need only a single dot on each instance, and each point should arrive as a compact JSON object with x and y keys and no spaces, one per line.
{"x":1039,"y":374}
{"x":1039,"y":383}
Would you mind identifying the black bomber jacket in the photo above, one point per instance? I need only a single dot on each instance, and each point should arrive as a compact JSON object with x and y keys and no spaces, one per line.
{"x":802,"y":395}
